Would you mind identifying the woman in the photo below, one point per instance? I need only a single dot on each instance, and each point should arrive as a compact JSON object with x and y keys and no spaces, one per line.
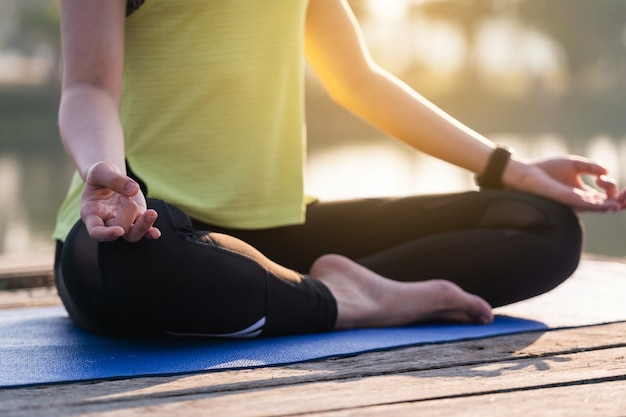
{"x":184,"y":120}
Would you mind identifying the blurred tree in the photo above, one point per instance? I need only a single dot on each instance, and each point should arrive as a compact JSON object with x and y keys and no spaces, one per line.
{"x":39,"y":24}
{"x":8,"y":22}
{"x":590,"y":32}
{"x":467,"y":15}
{"x":27,"y":26}
{"x":592,"y":35}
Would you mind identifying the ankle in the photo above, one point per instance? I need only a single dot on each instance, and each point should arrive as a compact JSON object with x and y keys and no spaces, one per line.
{"x":358,"y":292}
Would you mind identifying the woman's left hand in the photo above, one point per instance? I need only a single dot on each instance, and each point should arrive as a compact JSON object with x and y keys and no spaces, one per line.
{"x":560,"y":179}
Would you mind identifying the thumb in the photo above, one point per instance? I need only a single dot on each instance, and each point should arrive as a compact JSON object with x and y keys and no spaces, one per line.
{"x":107,"y":175}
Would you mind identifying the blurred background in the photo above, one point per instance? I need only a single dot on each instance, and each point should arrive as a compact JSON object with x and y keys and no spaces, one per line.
{"x":546,"y":77}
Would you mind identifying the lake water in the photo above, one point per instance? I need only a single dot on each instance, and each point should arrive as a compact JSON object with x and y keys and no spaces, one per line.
{"x":32,"y":184}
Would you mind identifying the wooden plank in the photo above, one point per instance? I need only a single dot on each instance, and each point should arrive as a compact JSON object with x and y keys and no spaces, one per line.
{"x":600,"y":399}
{"x":481,"y":359}
{"x":32,"y":297}
{"x":522,"y":375}
{"x":26,"y":271}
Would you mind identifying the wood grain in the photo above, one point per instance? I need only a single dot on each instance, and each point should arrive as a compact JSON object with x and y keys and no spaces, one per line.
{"x":492,"y":366}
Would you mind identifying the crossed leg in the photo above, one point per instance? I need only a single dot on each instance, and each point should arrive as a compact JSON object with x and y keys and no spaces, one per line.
{"x":402,"y":261}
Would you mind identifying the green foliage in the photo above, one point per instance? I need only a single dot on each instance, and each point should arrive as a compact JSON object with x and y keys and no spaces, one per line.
{"x":28,"y":118}
{"x":588,"y":31}
{"x":36,"y":22}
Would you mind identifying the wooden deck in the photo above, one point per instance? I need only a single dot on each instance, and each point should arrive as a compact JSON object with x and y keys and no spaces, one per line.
{"x":567,"y":372}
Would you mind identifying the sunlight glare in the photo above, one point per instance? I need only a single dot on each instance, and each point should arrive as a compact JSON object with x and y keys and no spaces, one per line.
{"x":505,"y":46}
{"x":379,"y":169}
{"x":439,"y":45}
{"x":604,"y":150}
{"x":387,"y":9}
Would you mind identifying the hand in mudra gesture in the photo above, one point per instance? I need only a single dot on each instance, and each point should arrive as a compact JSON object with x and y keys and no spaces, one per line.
{"x":113,"y":206}
{"x":560,"y":179}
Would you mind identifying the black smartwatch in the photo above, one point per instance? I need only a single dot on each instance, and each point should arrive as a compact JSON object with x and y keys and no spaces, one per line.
{"x":492,"y":176}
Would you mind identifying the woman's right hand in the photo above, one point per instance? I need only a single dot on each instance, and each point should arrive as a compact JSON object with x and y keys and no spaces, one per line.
{"x":113,"y":206}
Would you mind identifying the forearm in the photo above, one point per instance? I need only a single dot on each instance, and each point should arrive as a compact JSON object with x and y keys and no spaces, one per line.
{"x":90,"y":127}
{"x":395,"y":108}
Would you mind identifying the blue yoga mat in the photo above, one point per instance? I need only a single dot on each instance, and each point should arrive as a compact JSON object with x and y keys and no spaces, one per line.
{"x":43,"y":346}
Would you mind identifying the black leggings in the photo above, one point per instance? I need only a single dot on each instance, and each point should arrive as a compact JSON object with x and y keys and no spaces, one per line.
{"x":501,"y":245}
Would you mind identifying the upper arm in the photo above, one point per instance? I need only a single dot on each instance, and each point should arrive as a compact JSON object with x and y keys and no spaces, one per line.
{"x":334,"y":46}
{"x":92,"y":39}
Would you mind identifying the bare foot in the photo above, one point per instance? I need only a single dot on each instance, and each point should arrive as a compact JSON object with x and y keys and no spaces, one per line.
{"x":366,"y":299}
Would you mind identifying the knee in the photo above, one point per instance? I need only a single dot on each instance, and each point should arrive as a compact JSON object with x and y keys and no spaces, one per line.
{"x":557,"y":229}
{"x":562,"y":241}
{"x":513,"y":214}
{"x":568,"y":238}
{"x":533,"y":213}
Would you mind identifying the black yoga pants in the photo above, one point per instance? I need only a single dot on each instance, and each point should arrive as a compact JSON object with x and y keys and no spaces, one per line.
{"x":201,"y":279}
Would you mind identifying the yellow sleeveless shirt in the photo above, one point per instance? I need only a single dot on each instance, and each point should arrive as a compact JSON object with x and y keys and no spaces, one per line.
{"x":212,"y":110}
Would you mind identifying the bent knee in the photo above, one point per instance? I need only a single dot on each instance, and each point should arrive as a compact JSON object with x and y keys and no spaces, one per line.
{"x":530,"y":212}
{"x":512,"y":214}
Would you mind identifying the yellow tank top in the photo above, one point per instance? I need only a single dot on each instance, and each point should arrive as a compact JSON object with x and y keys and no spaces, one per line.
{"x":212,"y":110}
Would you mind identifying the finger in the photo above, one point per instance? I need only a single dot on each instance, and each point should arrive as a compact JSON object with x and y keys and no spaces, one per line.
{"x":99,"y":231}
{"x":608,"y":185}
{"x":584,"y":200}
{"x":153,"y":233}
{"x":621,"y":197}
{"x":107,"y":175}
{"x":587,"y":166}
{"x":578,"y":198}
{"x":144,"y":227}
